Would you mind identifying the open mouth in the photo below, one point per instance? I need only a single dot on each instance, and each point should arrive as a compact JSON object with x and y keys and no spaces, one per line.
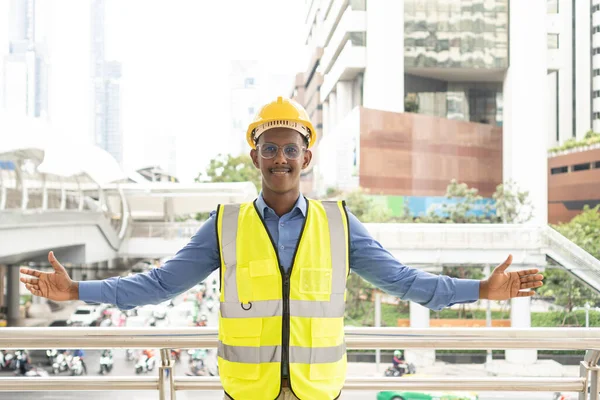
{"x":280,"y":171}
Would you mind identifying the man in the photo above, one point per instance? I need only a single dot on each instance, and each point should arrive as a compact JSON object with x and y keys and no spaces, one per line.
{"x":283,"y":263}
{"x":398,"y":359}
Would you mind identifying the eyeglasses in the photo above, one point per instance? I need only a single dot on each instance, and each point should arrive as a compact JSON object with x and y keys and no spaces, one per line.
{"x":291,"y":151}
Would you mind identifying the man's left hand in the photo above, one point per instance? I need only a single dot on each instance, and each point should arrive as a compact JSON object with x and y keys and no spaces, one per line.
{"x":502,"y":285}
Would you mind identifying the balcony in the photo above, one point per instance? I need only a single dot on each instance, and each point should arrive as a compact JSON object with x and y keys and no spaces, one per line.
{"x":351,"y":21}
{"x":351,"y":61}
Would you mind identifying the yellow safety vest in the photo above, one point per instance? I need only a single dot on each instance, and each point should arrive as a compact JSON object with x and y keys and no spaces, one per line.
{"x":268,"y":316}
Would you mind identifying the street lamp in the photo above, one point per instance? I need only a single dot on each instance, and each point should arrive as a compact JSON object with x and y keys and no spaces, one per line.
{"x":587,"y":314}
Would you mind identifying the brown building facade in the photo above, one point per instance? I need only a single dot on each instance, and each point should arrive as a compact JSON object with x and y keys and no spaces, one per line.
{"x":410,"y":154}
{"x":573,"y":182}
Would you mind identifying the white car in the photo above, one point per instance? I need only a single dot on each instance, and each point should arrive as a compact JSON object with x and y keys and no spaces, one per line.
{"x":85,"y":315}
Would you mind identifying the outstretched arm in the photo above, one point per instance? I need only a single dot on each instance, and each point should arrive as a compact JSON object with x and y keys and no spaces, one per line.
{"x":191,"y":265}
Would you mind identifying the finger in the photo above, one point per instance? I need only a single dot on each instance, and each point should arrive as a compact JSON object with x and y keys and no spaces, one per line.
{"x":528,"y":272}
{"x":502,"y":267}
{"x":35,"y":292}
{"x":58,"y":268}
{"x":29,"y":286}
{"x":529,"y":285}
{"x":526,"y":294}
{"x":33,"y":281}
{"x":31,"y":272}
{"x":532,"y":278}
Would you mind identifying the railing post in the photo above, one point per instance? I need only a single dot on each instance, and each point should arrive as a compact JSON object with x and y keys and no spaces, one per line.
{"x":590,"y":371}
{"x":165,"y":376}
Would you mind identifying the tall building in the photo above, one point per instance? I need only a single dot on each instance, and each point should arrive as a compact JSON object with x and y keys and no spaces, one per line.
{"x":24,"y":71}
{"x":106,"y":127}
{"x":244,"y":80}
{"x":113,"y":134}
{"x":251,"y":85}
{"x":472,"y":112}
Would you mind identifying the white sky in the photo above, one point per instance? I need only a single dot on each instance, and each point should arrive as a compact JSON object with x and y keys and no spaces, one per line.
{"x":176,"y":55}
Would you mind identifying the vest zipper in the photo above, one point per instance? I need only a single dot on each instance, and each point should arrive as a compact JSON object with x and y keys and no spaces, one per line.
{"x":286,"y":323}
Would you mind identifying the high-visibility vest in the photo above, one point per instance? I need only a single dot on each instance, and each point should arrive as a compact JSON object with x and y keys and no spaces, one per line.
{"x":268,"y":315}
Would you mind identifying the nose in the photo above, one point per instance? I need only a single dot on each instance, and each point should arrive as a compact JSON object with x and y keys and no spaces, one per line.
{"x":280,"y":157}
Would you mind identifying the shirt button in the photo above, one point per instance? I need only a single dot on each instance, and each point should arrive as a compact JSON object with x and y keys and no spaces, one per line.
{"x":282,"y":247}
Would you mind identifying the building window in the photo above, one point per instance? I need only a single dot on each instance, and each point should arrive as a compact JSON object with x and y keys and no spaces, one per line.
{"x":596,"y":8}
{"x":596,"y":51}
{"x":552,"y":6}
{"x":358,"y":5}
{"x":596,"y":115}
{"x":596,"y":29}
{"x":581,"y":167}
{"x":553,"y":40}
{"x":596,"y":93}
{"x":597,"y":164}
{"x":559,"y":170}
{"x":596,"y":72}
{"x":358,"y":38}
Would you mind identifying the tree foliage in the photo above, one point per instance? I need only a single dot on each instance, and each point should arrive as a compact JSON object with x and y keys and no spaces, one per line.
{"x":227,"y":168}
{"x":464,"y":205}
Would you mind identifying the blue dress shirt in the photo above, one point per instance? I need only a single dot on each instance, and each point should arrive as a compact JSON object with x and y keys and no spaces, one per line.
{"x":200,"y":257}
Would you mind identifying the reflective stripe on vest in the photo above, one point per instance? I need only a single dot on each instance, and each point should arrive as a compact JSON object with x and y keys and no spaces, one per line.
{"x":316,"y":309}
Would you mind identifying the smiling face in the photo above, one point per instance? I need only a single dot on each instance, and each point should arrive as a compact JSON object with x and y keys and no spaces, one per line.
{"x":279,"y":174}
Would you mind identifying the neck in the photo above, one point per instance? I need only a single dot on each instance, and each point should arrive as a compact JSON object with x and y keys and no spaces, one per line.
{"x":281,"y":203}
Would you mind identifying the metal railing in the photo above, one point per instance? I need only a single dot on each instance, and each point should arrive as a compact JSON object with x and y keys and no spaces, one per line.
{"x":356,"y":338}
{"x":573,"y":258}
{"x":164,"y":230}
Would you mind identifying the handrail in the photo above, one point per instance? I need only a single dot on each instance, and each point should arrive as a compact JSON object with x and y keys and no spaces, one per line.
{"x":571,"y":384}
{"x":389,"y":338}
{"x":572,"y":257}
{"x":356,"y":338}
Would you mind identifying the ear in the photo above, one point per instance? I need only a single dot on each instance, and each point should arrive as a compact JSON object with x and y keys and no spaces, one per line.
{"x":254,"y":156}
{"x":307,"y":158}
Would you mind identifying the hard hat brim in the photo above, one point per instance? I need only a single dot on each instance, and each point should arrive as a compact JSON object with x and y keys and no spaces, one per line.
{"x":305,"y":128}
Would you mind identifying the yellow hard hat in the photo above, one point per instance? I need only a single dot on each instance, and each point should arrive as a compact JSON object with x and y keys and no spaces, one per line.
{"x":281,"y":113}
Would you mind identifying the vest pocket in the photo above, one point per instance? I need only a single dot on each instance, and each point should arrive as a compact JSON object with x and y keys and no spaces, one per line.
{"x":240,"y":352}
{"x":265,"y":280}
{"x":315,"y":281}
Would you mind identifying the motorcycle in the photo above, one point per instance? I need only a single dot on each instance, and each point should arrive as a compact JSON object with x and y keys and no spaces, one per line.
{"x":6,"y":360}
{"x":176,"y":355}
{"x":129,"y":355}
{"x":145,"y":364}
{"x":36,"y":372}
{"x":402,"y":369}
{"x":197,"y":368}
{"x":51,"y":356}
{"x":106,"y":363}
{"x":76,"y":366}
{"x":20,"y":362}
{"x":60,"y":364}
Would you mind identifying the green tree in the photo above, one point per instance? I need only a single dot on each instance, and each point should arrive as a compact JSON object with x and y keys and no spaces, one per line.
{"x":584,"y":230}
{"x":226,"y":168}
{"x":512,"y":205}
{"x":365,"y":209}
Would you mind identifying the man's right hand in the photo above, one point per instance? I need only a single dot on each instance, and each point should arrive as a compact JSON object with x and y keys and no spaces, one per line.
{"x":55,"y":285}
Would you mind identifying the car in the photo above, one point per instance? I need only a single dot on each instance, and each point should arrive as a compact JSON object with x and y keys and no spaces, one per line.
{"x":85,"y":315}
{"x":401,"y":395}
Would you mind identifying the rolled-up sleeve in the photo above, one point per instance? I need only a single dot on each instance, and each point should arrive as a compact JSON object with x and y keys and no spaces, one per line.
{"x":191,"y":265}
{"x":376,"y":265}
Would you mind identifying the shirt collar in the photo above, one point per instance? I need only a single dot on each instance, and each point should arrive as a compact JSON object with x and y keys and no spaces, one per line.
{"x":262,"y":206}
